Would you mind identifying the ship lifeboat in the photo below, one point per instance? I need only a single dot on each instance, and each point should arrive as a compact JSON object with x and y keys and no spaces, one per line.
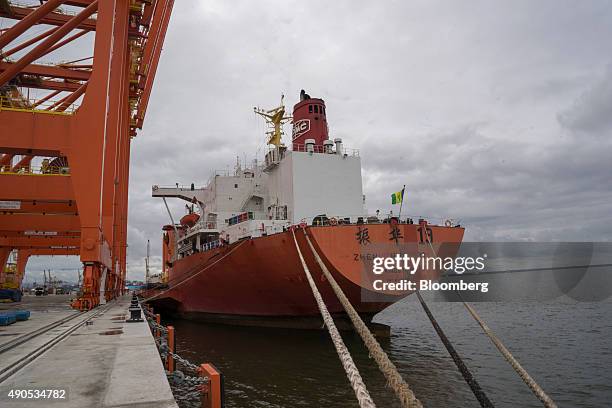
{"x":190,"y":220}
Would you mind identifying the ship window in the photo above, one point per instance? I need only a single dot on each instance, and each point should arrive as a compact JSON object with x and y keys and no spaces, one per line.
{"x":235,"y":185}
{"x":323,"y":109}
{"x":309,"y":108}
{"x":316,"y":109}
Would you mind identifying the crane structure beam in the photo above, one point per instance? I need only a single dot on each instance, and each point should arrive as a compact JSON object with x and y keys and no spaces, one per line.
{"x":112,"y":92}
{"x":25,"y":44}
{"x":4,"y":255}
{"x":38,"y":222}
{"x":21,"y":188}
{"x":5,"y":252}
{"x":23,"y":163}
{"x":39,"y":241}
{"x":65,"y":207}
{"x":34,"y":245}
{"x":38,"y":134}
{"x":37,"y":83}
{"x":27,"y":21}
{"x":48,"y":71}
{"x":6,"y":159}
{"x":52,"y":251}
{"x":151,"y":54}
{"x":33,"y":234}
{"x":43,"y":48}
{"x":57,"y":19}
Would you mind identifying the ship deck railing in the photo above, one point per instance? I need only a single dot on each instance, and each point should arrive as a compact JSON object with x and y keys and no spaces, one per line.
{"x":324,"y":149}
{"x":327,"y":219}
{"x":200,"y":227}
{"x":177,"y":187}
{"x":211,"y":245}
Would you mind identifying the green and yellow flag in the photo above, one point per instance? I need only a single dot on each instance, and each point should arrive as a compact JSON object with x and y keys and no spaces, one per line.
{"x":397,"y":197}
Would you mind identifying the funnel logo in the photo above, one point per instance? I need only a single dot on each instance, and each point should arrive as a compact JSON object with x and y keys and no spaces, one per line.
{"x":300,"y":127}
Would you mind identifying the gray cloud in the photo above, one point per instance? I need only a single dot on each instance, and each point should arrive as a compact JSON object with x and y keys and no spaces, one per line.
{"x":592,"y":112}
{"x":468,"y":104}
{"x":496,"y":114}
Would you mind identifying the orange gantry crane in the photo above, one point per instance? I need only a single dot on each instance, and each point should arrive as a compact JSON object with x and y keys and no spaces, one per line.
{"x":65,"y":153}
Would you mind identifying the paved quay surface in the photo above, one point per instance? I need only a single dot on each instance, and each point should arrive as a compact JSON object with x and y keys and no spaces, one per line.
{"x":108,"y":363}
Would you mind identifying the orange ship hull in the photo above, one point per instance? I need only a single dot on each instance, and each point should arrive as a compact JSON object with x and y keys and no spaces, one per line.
{"x":263,"y":277}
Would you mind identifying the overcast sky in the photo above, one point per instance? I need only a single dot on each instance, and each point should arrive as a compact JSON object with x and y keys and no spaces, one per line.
{"x":497,"y":114}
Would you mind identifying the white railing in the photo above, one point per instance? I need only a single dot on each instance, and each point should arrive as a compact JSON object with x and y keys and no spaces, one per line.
{"x":177,"y":187}
{"x":211,"y":245}
{"x":324,"y":149}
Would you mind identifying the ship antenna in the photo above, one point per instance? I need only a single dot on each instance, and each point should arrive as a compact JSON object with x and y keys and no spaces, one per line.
{"x":275,"y":118}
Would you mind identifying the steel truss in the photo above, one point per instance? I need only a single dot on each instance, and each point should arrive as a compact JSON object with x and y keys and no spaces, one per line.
{"x":76,"y":202}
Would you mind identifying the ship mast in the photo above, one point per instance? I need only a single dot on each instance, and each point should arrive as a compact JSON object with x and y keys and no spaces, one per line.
{"x":275,"y":118}
{"x":147,"y":263}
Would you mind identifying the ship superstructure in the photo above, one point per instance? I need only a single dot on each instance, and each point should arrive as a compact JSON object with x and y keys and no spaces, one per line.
{"x":317,"y":181}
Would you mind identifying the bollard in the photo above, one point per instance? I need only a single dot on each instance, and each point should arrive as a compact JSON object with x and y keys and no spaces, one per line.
{"x":135,"y":315}
{"x":135,"y":312}
{"x":158,"y":321}
{"x":212,"y":395}
{"x":170,"y":359}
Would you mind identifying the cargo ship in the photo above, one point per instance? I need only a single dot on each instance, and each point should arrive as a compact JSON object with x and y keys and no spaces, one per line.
{"x":232,"y":257}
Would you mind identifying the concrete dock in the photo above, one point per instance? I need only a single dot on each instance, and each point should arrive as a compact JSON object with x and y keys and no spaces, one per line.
{"x":97,"y":358}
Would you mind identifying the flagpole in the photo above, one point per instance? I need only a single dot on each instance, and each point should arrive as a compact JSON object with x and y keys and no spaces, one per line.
{"x":401,"y":203}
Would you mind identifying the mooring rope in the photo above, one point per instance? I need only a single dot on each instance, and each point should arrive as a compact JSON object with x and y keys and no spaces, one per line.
{"x":386,"y":366}
{"x":527,"y":379}
{"x":477,"y":390}
{"x":361,"y":392}
{"x":531,"y":383}
{"x":189,"y":277}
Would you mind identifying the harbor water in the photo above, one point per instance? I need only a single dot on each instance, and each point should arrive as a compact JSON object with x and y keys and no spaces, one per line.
{"x":563,"y":344}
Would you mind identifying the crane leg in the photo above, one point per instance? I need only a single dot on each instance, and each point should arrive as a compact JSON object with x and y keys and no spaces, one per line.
{"x":90,"y":296}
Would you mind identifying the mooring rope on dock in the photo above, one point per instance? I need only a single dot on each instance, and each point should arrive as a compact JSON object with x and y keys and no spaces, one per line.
{"x":361,"y":392}
{"x":527,"y":379}
{"x":386,"y":366}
